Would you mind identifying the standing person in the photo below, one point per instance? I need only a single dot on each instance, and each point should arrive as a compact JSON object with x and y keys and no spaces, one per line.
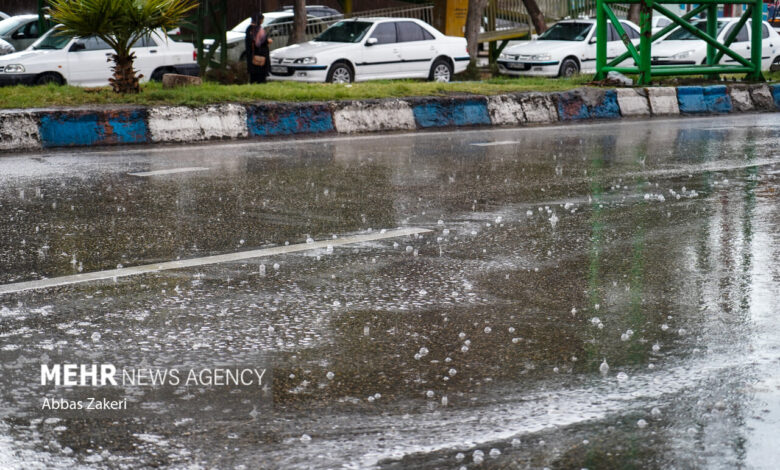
{"x":258,"y":55}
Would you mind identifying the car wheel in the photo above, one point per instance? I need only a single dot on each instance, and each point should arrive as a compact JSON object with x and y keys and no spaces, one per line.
{"x":441,"y":71}
{"x":50,"y":77}
{"x":340,"y":73}
{"x":157,"y":75}
{"x":569,"y":68}
{"x":775,"y":65}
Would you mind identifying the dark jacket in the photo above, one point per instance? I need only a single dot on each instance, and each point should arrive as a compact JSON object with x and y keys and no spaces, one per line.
{"x":256,"y":74}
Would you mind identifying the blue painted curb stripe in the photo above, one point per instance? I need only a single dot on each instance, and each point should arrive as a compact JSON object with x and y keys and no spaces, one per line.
{"x":84,"y":128}
{"x":275,"y":119}
{"x":691,"y":100}
{"x":452,"y":112}
{"x":716,"y":99}
{"x":572,"y":106}
{"x":775,"y":89}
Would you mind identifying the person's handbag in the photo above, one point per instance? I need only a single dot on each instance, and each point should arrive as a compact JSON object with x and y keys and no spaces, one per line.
{"x":257,"y":60}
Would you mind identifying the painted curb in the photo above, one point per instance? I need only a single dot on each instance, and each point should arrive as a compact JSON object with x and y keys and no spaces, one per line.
{"x":22,"y":130}
{"x":285,"y":119}
{"x":633,"y":102}
{"x":776,"y":95}
{"x":588,"y":103}
{"x":83,"y":128}
{"x":663,"y":101}
{"x":19,"y":131}
{"x":451,"y":112}
{"x":373,"y":116}
{"x":184,"y":124}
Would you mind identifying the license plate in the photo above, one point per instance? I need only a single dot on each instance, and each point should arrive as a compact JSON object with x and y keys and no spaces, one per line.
{"x":278,"y":69}
{"x":516,"y":65}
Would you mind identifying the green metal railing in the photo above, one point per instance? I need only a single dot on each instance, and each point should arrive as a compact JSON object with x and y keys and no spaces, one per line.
{"x":642,"y":56}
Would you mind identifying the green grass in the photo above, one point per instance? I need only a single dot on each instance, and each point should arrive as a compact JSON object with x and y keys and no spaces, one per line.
{"x":210,"y":92}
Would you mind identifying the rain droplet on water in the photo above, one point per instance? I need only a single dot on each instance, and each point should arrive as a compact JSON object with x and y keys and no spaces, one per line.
{"x":452,"y":372}
{"x":656,"y":347}
{"x":430,"y":394}
{"x":459,"y":456}
{"x":641,"y":423}
{"x":423,"y":351}
{"x":494,"y":452}
{"x":622,"y":377}
{"x":515,"y":442}
{"x":330,"y":375}
{"x":604,"y":367}
{"x":305,"y":438}
{"x":488,"y":329}
{"x":444,"y":401}
{"x":276,"y":266}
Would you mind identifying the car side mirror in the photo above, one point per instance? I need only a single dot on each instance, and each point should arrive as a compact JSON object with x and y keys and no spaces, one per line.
{"x":371,"y":41}
{"x":592,"y":40}
{"x":77,"y":46}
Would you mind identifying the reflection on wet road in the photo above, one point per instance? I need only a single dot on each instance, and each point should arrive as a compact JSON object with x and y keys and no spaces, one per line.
{"x":598,"y":296}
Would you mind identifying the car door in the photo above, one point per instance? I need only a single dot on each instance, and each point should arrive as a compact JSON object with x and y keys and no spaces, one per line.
{"x":25,"y":35}
{"x":741,"y":44}
{"x":381,"y":54}
{"x":769,"y":46}
{"x":88,"y":62}
{"x":418,"y":49}
{"x":148,"y":56}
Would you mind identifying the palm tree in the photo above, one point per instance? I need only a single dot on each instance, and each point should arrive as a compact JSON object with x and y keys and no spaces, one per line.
{"x":120,"y":23}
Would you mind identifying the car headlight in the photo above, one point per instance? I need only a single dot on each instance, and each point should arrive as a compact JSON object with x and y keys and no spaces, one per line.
{"x":683,"y":54}
{"x":306,"y":60}
{"x":504,"y":56}
{"x":14,"y":68}
{"x":541,"y":57}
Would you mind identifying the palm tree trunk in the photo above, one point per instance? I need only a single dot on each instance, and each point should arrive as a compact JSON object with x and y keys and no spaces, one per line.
{"x":537,"y":17}
{"x":125,"y":79}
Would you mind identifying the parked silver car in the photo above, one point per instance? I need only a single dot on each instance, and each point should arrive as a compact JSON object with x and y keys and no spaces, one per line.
{"x":20,"y":31}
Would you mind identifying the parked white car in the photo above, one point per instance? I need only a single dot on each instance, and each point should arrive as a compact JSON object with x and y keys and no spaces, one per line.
{"x":372,"y":48}
{"x":59,"y":58}
{"x":565,"y":49}
{"x":278,"y":25}
{"x":680,"y":47}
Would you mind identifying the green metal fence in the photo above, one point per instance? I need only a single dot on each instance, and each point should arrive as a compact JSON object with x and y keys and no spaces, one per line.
{"x":642,"y":57}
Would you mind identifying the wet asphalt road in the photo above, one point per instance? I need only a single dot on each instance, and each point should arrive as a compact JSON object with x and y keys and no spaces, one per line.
{"x":591,"y":296}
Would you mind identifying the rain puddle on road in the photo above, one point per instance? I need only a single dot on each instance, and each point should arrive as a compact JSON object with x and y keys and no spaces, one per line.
{"x":598,"y":296}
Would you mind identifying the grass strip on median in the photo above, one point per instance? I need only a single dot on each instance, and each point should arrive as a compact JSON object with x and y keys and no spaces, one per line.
{"x":207,"y":260}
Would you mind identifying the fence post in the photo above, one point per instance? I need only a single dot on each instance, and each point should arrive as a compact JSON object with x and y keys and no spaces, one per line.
{"x":601,"y":40}
{"x":645,"y":38}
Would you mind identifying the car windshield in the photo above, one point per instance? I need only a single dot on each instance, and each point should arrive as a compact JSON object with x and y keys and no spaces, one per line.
{"x":345,"y":31}
{"x":8,"y":25}
{"x":567,"y":32}
{"x":52,"y":40}
{"x":680,"y":34}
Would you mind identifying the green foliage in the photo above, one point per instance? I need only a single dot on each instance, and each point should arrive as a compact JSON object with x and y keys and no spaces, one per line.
{"x":120,"y":23}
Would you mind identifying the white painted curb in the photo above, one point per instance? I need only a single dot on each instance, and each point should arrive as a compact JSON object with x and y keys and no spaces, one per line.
{"x":374,"y":116}
{"x":183,"y":124}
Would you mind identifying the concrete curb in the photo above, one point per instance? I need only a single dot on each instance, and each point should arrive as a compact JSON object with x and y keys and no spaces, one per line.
{"x":34,"y":129}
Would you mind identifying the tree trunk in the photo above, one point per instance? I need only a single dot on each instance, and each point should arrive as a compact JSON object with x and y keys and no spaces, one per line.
{"x":633,"y":13}
{"x":473,"y":23}
{"x":299,"y":22}
{"x":537,"y":17}
{"x":125,"y":79}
